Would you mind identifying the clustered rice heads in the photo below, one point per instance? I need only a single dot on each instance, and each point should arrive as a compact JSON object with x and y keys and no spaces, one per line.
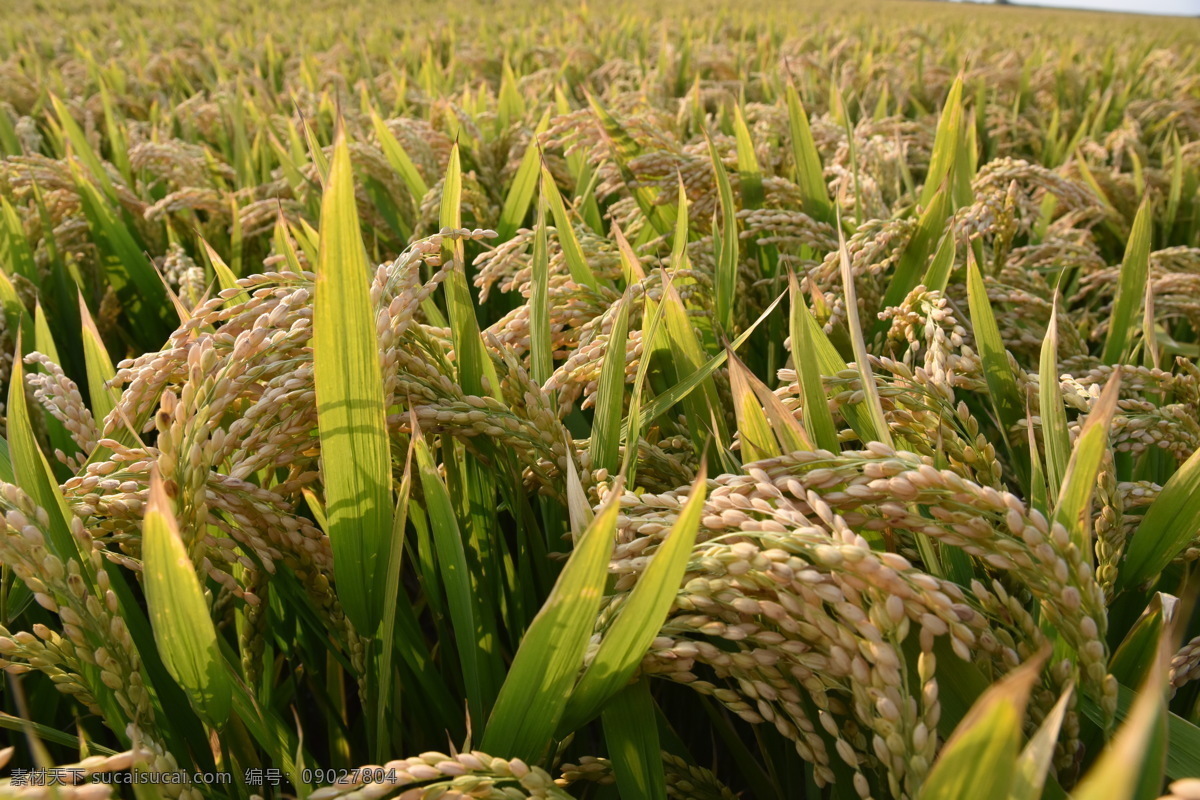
{"x":797,"y":403}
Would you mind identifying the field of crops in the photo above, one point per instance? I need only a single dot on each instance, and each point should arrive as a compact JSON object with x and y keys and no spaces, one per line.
{"x":786,"y":400}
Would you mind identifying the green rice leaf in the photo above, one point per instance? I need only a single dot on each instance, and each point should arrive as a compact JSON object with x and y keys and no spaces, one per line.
{"x":308,"y":239}
{"x":912,"y":264}
{"x":1168,"y":526}
{"x":43,"y":338}
{"x":1141,"y":740}
{"x":225,"y":277}
{"x":127,"y":267}
{"x":15,"y":252}
{"x":660,"y":404}
{"x":725,"y":281}
{"x":237,"y":239}
{"x":1183,"y":738}
{"x":1056,"y":438}
{"x":810,"y":175}
{"x":938,"y":275}
{"x":1090,"y":179}
{"x":783,"y":432}
{"x":1151,"y":353}
{"x":6,"y":467}
{"x":520,"y":193}
{"x":399,"y":160}
{"x":115,"y":129}
{"x":754,"y":431}
{"x":1175,"y":192}
{"x":829,"y":362}
{"x":1075,"y":495}
{"x":183,"y":628}
{"x":624,"y":148}
{"x":1135,"y":657}
{"x":541,"y":346}
{"x":874,"y":407}
{"x":1002,"y":384}
{"x":33,"y":474}
{"x":470,"y":641}
{"x":579,"y":510}
{"x":1131,"y":286}
{"x":16,"y":316}
{"x":19,"y":725}
{"x":535,"y":693}
{"x":978,"y":761}
{"x":395,"y":603}
{"x":317,"y":153}
{"x":355,"y":455}
{"x":475,"y":367}
{"x":633,"y":744}
{"x":748,"y":168}
{"x":818,"y":419}
{"x":640,"y":617}
{"x":605,"y":443}
{"x":82,"y":148}
{"x":950,"y":161}
{"x":651,"y":322}
{"x":581,"y":273}
{"x":687,"y":351}
{"x":510,"y":104}
{"x":284,"y":246}
{"x":1033,"y":765}
{"x":10,"y":144}
{"x":59,"y":437}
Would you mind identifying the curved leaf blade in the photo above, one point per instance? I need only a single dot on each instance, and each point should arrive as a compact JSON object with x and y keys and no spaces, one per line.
{"x":183,"y":628}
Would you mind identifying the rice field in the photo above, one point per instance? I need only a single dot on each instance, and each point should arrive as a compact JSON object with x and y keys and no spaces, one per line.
{"x":677,"y":400}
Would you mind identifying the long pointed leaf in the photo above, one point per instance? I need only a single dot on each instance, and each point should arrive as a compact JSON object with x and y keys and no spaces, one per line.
{"x":539,"y":683}
{"x":356,"y":461}
{"x":183,"y":628}
{"x":1055,"y":436}
{"x":810,"y":176}
{"x":640,"y":616}
{"x":978,"y":760}
{"x":632,"y":738}
{"x":1002,"y":384}
{"x":1079,"y":483}
{"x":1131,"y":286}
{"x":1169,"y":525}
{"x":817,"y":417}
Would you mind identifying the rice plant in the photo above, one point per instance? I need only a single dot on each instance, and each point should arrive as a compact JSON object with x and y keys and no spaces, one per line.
{"x":512,"y":401}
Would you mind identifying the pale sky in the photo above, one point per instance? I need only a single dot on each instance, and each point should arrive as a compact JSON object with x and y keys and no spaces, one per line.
{"x":1184,"y":7}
